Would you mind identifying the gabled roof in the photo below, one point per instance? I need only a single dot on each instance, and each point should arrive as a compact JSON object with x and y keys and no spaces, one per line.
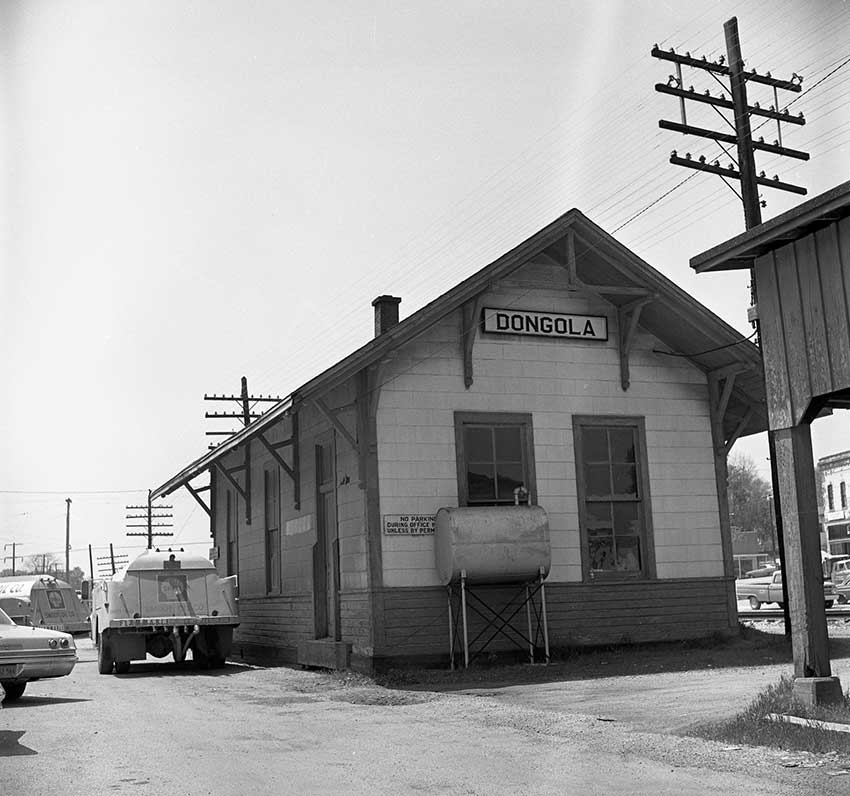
{"x":677,"y":319}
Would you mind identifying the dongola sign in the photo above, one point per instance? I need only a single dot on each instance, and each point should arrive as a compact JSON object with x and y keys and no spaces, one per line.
{"x":545,"y":324}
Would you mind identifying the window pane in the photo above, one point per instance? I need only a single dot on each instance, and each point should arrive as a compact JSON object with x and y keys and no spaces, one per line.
{"x":509,"y":477}
{"x":625,"y":479}
{"x":597,"y":480}
{"x":595,"y":444}
{"x":601,"y":550}
{"x":480,"y":482}
{"x":622,"y":445}
{"x":479,"y":444}
{"x":599,"y":517}
{"x":626,"y":519}
{"x":628,"y":554}
{"x":508,"y":443}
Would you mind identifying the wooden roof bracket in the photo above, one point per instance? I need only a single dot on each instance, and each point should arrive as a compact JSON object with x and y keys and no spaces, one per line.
{"x":470,"y":317}
{"x":194,"y":492}
{"x":233,"y":482}
{"x":721,"y":384}
{"x":292,"y":471}
{"x":333,"y":417}
{"x":739,"y":429}
{"x":628,"y":316}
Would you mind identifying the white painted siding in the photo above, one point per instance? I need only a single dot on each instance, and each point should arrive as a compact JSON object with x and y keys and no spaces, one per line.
{"x":553,"y":379}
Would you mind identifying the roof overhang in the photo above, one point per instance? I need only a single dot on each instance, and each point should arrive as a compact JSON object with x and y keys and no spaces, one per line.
{"x":199,"y":466}
{"x":741,"y":252}
{"x":683,"y":324}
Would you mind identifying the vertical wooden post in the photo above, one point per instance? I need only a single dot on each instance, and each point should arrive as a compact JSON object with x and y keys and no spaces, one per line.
{"x":803,"y":571}
{"x":721,"y":477}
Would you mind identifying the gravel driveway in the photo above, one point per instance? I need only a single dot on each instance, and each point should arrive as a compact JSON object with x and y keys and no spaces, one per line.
{"x":172,"y":729}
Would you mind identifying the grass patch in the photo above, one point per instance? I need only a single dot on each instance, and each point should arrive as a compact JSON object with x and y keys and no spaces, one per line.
{"x":752,"y":728}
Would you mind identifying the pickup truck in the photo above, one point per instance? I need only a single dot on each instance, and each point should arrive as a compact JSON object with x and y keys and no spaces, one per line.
{"x":769,"y":590}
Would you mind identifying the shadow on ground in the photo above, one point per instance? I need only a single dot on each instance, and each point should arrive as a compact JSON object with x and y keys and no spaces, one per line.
{"x":750,"y":648}
{"x":27,"y":701}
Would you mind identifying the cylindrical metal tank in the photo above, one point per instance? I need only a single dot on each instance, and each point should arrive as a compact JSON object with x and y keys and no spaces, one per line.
{"x":494,"y":544}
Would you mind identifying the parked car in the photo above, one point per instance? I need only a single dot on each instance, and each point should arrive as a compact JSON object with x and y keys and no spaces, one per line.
{"x":32,"y":653}
{"x":769,"y":590}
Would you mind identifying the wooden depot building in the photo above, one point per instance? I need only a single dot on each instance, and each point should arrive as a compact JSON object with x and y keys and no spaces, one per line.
{"x":569,"y":375}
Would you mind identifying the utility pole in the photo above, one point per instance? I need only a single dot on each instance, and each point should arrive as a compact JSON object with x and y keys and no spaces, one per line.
{"x":745,"y":171}
{"x":247,"y":408}
{"x":13,"y":545}
{"x":151,"y":513}
{"x":112,"y":562}
{"x":67,"y":538}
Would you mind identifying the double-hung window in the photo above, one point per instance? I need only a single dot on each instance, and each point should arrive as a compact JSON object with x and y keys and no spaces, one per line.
{"x":613,"y":497}
{"x":495,"y":458}
{"x":271,"y":484}
{"x":830,"y":499}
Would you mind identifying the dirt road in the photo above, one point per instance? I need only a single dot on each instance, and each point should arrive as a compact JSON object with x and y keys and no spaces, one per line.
{"x":164,"y":729}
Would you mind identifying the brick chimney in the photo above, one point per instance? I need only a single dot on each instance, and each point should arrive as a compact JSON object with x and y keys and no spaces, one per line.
{"x":386,"y":313}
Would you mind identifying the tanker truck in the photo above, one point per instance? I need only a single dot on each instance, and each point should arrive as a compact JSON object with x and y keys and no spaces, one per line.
{"x":163,"y":602}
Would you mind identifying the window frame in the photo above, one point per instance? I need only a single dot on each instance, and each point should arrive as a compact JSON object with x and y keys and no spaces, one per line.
{"x":522,"y":419}
{"x":271,"y":473}
{"x":644,"y":502}
{"x":830,"y":498}
{"x":842,"y":494}
{"x":231,"y":534}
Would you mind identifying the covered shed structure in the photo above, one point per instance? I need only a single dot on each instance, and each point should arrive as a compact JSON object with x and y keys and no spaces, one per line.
{"x":800,"y":262}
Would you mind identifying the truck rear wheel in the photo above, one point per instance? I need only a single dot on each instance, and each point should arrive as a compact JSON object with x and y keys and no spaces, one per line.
{"x":105,"y":661}
{"x":122,"y":667}
{"x":14,"y":690}
{"x":755,"y":603}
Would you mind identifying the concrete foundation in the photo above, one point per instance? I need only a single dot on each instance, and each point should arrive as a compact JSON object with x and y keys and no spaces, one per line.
{"x":324,"y":654}
{"x":818,"y":690}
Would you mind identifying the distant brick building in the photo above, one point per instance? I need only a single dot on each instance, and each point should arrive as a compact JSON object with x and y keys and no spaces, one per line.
{"x":568,"y":369}
{"x":835,"y":472}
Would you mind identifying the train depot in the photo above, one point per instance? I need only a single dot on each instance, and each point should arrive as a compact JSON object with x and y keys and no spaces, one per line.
{"x":536,"y":459}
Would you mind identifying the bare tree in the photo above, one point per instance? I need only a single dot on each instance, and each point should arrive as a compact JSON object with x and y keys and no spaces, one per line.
{"x":751,"y":502}
{"x":43,"y":564}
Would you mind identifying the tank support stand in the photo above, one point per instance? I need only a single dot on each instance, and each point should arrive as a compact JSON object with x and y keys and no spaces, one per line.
{"x":497,"y":616}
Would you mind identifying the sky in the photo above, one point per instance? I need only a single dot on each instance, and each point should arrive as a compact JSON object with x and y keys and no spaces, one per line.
{"x":196,"y":191}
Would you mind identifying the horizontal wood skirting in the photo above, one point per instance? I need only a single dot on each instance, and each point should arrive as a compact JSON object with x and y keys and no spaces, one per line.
{"x":416,"y":620}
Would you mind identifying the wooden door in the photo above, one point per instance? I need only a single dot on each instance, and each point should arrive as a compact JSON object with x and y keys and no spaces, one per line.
{"x":326,"y":551}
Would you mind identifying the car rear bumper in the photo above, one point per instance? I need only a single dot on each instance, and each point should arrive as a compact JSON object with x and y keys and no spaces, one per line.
{"x":36,"y":666}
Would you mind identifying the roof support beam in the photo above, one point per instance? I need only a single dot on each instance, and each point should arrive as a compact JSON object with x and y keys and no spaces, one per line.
{"x":276,"y":456}
{"x":470,"y":318}
{"x":291,"y":470}
{"x":233,"y":482}
{"x":194,"y":493}
{"x":627,"y":319}
{"x":333,"y":418}
{"x":739,"y":429}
